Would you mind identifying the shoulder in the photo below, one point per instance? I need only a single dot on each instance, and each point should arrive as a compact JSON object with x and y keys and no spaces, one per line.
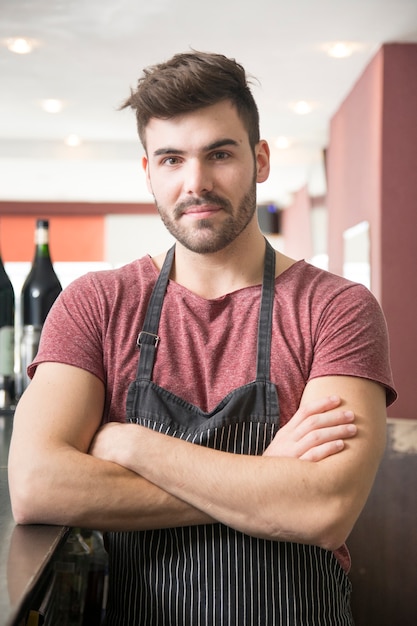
{"x":313,"y":284}
{"x":325,"y":305}
{"x":346,"y":324}
{"x":341,"y":301}
{"x":97,"y":297}
{"x":111,"y":283}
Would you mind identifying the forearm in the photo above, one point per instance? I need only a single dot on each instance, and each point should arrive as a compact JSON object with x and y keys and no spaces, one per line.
{"x":308,"y":487}
{"x":278,"y":497}
{"x":269,"y":497}
{"x":54,"y":480}
{"x":76,"y":489}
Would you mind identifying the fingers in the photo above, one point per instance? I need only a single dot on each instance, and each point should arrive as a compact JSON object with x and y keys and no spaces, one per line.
{"x":322,"y":442}
{"x":323,"y":405}
{"x":323,"y":451}
{"x":317,"y":430}
{"x":318,"y":421}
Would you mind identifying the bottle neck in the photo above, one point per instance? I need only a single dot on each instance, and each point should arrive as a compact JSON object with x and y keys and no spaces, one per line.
{"x":42,"y":251}
{"x":42,"y":243}
{"x":3,"y":274}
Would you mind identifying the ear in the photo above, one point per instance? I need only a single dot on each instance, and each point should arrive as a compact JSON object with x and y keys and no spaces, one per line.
{"x":145,"y":165}
{"x":262,"y":158}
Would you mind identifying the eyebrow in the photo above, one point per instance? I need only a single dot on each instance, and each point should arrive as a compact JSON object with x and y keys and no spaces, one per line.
{"x":221,"y":143}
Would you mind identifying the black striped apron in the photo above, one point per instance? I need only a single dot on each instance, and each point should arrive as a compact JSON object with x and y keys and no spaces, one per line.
{"x":212,"y":575}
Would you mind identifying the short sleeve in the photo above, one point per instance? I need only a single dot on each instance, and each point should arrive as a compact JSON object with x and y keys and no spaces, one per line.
{"x":72,"y":331}
{"x":352,"y":339}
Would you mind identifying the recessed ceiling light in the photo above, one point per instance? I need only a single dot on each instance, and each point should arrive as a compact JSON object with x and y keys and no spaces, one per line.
{"x":282,"y":143}
{"x":73,"y":141}
{"x":340,"y":49}
{"x":19,"y":45}
{"x":302,"y":107}
{"x":52,"y":106}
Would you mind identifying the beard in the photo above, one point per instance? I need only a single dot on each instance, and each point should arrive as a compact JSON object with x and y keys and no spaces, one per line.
{"x":205,"y":236}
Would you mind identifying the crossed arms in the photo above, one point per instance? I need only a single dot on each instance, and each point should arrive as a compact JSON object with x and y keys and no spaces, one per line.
{"x":309,"y":486}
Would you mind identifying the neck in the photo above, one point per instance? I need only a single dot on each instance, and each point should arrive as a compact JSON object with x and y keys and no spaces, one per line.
{"x":214,"y":275}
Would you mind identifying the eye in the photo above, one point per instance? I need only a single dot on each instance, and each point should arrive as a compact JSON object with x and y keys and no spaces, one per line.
{"x":219,"y":155}
{"x":171,"y":160}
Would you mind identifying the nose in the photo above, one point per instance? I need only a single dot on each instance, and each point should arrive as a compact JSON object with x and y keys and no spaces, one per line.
{"x":198,"y":179}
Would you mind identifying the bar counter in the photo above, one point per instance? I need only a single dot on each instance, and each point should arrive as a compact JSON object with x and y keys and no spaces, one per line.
{"x":25,"y":551}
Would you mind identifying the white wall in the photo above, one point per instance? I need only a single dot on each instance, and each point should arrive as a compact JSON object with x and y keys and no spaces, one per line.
{"x":129,"y":237}
{"x":73,"y":181}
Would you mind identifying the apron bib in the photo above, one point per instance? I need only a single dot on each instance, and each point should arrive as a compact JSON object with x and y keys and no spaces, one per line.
{"x":212,"y":575}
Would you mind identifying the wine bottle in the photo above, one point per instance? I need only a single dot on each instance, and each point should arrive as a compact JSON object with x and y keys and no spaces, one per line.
{"x":7,"y":308}
{"x":39,"y":292}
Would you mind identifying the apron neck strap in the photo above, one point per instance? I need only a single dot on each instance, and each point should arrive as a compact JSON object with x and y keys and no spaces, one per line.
{"x":265,"y":315}
{"x":148,"y":338}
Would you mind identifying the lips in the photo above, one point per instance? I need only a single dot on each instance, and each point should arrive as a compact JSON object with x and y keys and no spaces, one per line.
{"x":201,"y":211}
{"x":201,"y":207}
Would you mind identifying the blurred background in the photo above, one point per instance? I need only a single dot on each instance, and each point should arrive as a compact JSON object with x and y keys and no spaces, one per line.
{"x":66,"y":65}
{"x":335,"y":81}
{"x":336,"y":86}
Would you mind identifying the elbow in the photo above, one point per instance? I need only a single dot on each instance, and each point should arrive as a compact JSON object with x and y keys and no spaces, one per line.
{"x":335,"y":525}
{"x":332,"y":538}
{"x":23,"y":501}
{"x":327,"y":526}
{"x":21,"y":514}
{"x":21,"y":511}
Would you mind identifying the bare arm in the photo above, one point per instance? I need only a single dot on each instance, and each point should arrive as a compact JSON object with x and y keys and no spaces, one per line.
{"x":274,"y":496}
{"x":52,"y":478}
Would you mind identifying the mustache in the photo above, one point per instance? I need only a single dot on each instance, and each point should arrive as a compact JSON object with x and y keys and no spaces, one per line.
{"x":211,"y":198}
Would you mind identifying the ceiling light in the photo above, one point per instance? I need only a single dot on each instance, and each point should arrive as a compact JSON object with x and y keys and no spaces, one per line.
{"x":282,"y":143}
{"x":19,"y":45}
{"x":73,"y":141}
{"x":302,"y":107}
{"x":51,"y":105}
{"x":340,"y":49}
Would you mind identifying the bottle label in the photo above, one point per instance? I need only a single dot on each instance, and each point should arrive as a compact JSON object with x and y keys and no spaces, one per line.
{"x":7,"y":351}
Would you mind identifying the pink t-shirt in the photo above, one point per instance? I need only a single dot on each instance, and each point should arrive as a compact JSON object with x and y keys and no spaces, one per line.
{"x":322,"y":325}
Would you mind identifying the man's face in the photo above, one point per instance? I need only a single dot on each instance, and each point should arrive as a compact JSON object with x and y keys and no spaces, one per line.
{"x":202,"y":173}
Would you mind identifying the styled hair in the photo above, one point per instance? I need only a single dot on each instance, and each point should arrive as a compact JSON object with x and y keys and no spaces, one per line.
{"x":190,"y":81}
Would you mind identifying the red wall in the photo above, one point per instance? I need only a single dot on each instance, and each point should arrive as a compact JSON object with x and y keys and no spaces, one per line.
{"x":354,"y":167}
{"x":297,"y":227}
{"x":76,"y":228}
{"x":372,"y":164}
{"x":79,"y":238}
{"x":399,"y":217}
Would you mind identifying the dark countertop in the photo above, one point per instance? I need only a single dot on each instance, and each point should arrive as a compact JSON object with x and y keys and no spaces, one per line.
{"x":25,"y":551}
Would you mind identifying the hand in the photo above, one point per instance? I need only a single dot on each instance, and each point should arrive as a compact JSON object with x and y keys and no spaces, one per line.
{"x":316,"y":431}
{"x":112,"y":441}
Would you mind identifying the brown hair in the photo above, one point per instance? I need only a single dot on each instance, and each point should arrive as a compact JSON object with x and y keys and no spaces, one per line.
{"x":190,"y":81}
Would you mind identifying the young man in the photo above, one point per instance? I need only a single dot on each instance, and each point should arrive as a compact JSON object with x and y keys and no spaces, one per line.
{"x":255,"y":404}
